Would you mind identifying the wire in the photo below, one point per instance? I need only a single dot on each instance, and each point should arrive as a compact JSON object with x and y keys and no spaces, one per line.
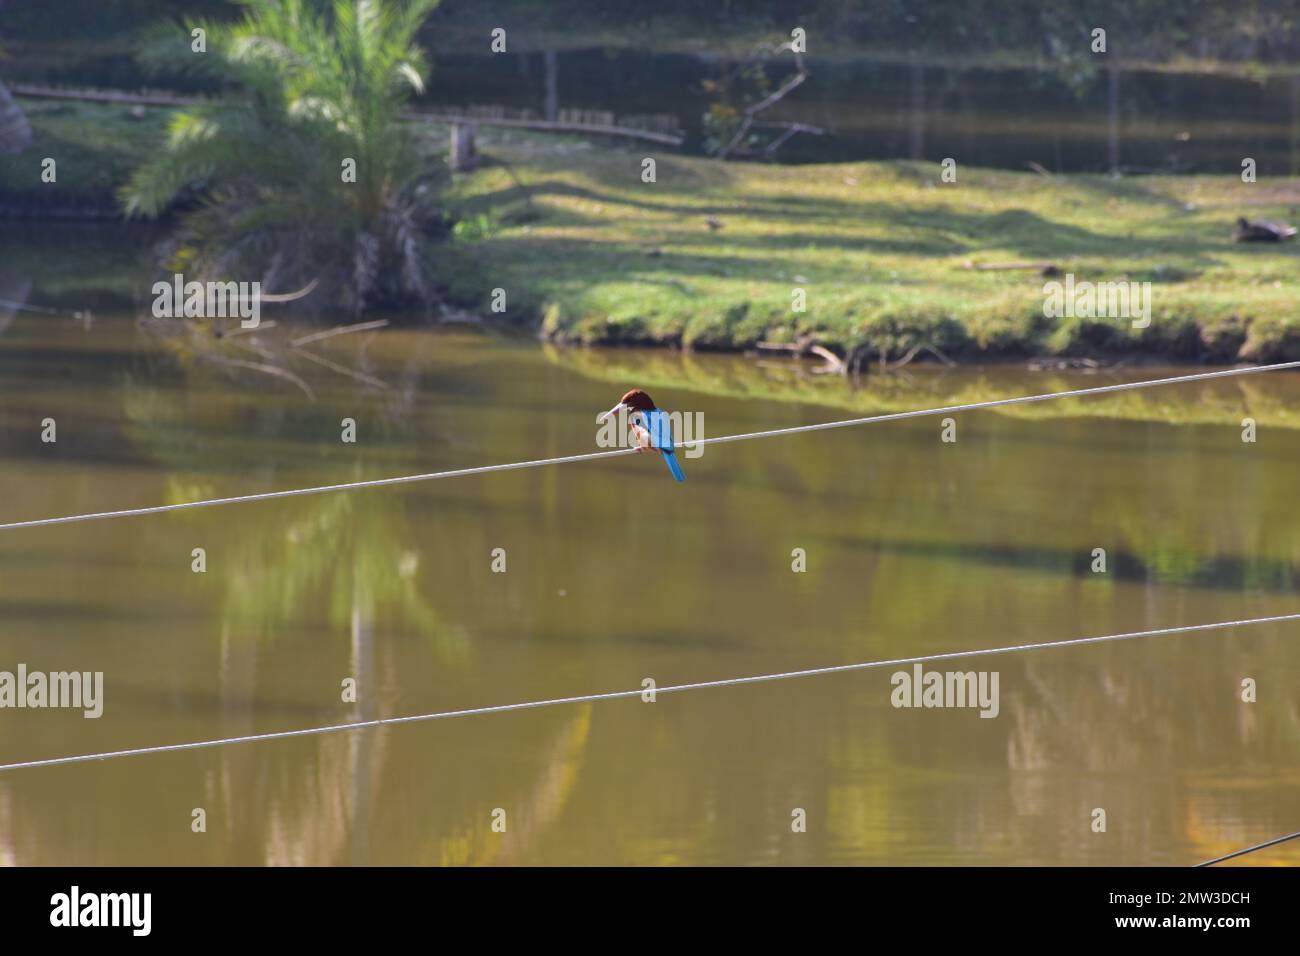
{"x":1249,"y":849}
{"x":614,"y":695}
{"x":44,"y":310}
{"x":593,"y":456}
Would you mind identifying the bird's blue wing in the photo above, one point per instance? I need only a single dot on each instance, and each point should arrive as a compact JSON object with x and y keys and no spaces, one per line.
{"x":660,"y":427}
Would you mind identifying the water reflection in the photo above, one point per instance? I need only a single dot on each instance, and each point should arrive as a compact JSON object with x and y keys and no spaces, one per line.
{"x":1075,"y":117}
{"x":614,"y":575}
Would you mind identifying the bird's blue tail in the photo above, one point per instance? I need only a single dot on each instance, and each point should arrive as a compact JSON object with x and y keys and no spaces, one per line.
{"x":675,"y":468}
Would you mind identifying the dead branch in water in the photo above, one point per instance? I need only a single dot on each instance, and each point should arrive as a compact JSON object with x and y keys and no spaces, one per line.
{"x":342,"y":369}
{"x":807,"y":345}
{"x":289,"y":296}
{"x":268,"y":324}
{"x":264,"y":368}
{"x":916,"y":350}
{"x":833,"y":365}
{"x":850,"y":365}
{"x":338,"y":330}
{"x":256,"y":349}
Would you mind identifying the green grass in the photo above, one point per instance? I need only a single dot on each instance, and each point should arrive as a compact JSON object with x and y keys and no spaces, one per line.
{"x":880,"y":248}
{"x":95,"y":147}
{"x":601,"y":257}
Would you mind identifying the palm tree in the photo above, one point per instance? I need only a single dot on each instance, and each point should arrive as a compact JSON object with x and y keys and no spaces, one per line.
{"x":302,"y":167}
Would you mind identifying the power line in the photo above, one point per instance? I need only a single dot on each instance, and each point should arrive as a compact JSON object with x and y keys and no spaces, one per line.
{"x":614,"y":695}
{"x":1249,"y":849}
{"x":593,"y":456}
{"x":44,"y":310}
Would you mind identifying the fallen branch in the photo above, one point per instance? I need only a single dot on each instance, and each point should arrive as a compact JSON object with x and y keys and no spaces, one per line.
{"x":266,"y":369}
{"x":916,"y":350}
{"x":807,"y":345}
{"x":338,"y":330}
{"x":343,"y":370}
{"x":288,"y":296}
{"x":256,"y":349}
{"x":268,"y":324}
{"x":833,"y":363}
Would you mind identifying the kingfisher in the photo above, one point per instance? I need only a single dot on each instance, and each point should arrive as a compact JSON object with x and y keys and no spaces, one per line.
{"x":650,"y":425}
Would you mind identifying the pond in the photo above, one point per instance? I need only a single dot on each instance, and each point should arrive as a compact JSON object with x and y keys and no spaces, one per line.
{"x":1083,"y":119}
{"x":614,"y":573}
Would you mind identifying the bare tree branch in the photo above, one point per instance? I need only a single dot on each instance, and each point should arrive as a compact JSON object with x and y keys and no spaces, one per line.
{"x":339,"y":330}
{"x":767,"y":102}
{"x":342,"y":370}
{"x":267,"y":369}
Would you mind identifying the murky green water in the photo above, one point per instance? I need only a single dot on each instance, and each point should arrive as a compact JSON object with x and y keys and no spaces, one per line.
{"x":614,"y":574}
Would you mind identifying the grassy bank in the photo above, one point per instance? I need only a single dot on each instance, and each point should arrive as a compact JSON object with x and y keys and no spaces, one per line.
{"x":95,"y":147}
{"x":881,"y":249}
{"x":709,"y":254}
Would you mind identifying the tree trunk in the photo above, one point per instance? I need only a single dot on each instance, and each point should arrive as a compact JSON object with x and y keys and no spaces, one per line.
{"x":1112,"y":103}
{"x":1295,"y":124}
{"x":552,"y":86}
{"x":463,"y":152}
{"x":917,"y":98}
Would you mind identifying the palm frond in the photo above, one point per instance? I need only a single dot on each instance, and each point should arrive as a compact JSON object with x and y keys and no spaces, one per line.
{"x":308,"y":84}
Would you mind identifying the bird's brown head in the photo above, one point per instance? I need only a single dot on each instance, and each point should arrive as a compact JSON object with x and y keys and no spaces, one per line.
{"x":634,"y":401}
{"x":637,"y":400}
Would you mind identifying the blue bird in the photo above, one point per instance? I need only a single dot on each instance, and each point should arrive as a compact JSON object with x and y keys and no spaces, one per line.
{"x":651,"y":426}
